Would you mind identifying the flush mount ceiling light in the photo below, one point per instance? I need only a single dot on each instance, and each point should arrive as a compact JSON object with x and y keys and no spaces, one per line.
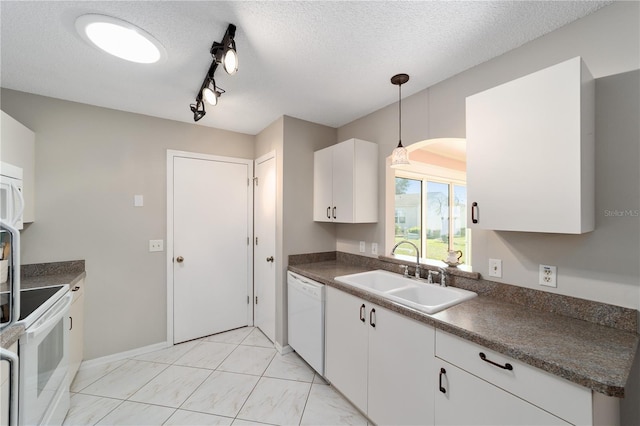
{"x":120,"y":38}
{"x":399,"y":156}
{"x":224,"y":53}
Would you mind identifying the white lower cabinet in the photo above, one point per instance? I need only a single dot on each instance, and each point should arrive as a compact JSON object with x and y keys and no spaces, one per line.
{"x":76,"y":333}
{"x":379,"y":360}
{"x":400,"y":371}
{"x":479,"y":386}
{"x":464,"y":399}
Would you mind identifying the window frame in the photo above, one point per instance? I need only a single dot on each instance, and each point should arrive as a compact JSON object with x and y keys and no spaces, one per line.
{"x":451,"y":182}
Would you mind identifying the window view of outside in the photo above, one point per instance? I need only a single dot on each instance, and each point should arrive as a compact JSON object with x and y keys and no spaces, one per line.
{"x":426,"y":205}
{"x":408,"y":214}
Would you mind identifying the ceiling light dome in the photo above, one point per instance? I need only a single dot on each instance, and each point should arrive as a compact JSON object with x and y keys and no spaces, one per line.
{"x":120,"y":38}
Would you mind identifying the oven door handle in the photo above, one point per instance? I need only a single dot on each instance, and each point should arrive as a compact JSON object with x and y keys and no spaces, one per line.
{"x":20,"y":210}
{"x":14,"y":368}
{"x":49,"y":319}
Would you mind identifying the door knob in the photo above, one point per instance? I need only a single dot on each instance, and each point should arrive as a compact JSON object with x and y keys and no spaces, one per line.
{"x":179,"y":259}
{"x":270,"y":259}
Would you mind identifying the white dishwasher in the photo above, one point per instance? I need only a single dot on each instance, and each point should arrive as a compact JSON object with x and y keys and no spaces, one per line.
{"x":306,"y":319}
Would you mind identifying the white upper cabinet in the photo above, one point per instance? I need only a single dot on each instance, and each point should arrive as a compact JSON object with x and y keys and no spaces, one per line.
{"x":17,"y":147}
{"x":530,"y":152}
{"x":345,"y":183}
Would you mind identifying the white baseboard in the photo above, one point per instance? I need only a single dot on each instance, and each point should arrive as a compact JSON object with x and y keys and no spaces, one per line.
{"x":283,"y":350}
{"x":123,"y":355}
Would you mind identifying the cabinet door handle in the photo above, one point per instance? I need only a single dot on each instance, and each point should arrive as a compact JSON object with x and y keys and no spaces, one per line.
{"x":442,"y":371}
{"x":362,"y":313}
{"x":76,"y":288}
{"x":507,"y":366}
{"x":474,"y":212}
{"x":372,"y":318}
{"x":328,"y":212}
{"x":70,"y":323}
{"x":334,"y":212}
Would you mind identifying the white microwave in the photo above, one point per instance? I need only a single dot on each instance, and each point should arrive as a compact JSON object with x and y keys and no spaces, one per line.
{"x":11,"y":199}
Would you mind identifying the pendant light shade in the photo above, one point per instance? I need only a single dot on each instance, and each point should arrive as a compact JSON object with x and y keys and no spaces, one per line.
{"x":400,"y":155}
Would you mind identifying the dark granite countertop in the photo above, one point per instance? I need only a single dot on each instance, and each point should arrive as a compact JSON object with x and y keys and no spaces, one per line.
{"x":592,"y":355}
{"x":42,"y":275}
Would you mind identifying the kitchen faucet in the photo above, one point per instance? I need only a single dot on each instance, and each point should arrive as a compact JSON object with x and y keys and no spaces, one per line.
{"x":417,"y":274}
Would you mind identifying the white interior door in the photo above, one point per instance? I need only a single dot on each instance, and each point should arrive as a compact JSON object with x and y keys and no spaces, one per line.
{"x":211,"y":265}
{"x":265,"y":246}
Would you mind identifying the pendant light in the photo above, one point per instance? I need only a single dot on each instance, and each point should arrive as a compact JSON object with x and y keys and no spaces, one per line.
{"x":399,"y":156}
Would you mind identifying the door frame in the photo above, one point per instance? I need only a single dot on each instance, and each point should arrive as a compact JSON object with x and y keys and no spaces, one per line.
{"x":171,"y":154}
{"x":271,"y":155}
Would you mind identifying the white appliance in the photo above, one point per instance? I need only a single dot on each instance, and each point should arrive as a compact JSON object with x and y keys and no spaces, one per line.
{"x":10,"y":312}
{"x":44,"y":355}
{"x":306,"y":319}
{"x":11,"y":199}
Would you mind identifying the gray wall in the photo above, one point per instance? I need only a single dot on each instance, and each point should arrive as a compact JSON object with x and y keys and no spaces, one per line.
{"x":295,"y":141}
{"x":602,"y":265}
{"x":90,"y":162}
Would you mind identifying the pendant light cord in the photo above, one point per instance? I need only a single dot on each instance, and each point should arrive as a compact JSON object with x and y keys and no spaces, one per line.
{"x":400,"y":114}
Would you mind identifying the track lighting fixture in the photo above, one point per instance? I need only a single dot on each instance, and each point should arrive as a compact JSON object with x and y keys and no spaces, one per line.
{"x":224,"y":53}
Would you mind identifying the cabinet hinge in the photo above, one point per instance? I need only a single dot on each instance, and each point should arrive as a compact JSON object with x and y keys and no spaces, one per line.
{"x":248,"y":299}
{"x":255,"y":179}
{"x":256,"y":300}
{"x":256,"y":240}
{"x":248,"y":241}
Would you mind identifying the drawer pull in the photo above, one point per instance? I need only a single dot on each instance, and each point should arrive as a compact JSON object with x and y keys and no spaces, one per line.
{"x":442,"y":371}
{"x":507,"y":366}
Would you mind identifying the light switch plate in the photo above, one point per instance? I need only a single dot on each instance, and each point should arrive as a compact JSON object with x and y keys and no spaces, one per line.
{"x":495,"y":268}
{"x":138,"y":201}
{"x":156,"y":245}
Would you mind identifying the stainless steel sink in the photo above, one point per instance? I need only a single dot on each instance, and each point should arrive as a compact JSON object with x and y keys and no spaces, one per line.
{"x":428,"y":298}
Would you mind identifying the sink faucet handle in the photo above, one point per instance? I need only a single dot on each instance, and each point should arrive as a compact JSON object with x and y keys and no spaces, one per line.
{"x":405,"y":270}
{"x":417,"y":274}
{"x":443,"y":277}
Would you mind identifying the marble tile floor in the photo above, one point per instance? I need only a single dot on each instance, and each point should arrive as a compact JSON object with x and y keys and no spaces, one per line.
{"x":232,"y":378}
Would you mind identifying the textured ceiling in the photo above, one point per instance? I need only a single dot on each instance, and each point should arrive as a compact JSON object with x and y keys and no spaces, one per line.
{"x":326,"y":62}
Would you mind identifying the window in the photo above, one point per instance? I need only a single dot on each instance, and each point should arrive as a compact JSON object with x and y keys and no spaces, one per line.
{"x":432,"y":214}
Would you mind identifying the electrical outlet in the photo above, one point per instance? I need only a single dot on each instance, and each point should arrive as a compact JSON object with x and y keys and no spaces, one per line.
{"x":156,"y":245}
{"x":374,"y":248}
{"x":363,"y":247}
{"x":548,"y":276}
{"x":495,"y":268}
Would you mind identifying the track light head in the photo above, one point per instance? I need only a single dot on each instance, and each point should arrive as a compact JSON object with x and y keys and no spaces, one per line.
{"x":198,"y":109}
{"x":225,"y":52}
{"x":211,"y":92}
{"x":230,"y":61}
